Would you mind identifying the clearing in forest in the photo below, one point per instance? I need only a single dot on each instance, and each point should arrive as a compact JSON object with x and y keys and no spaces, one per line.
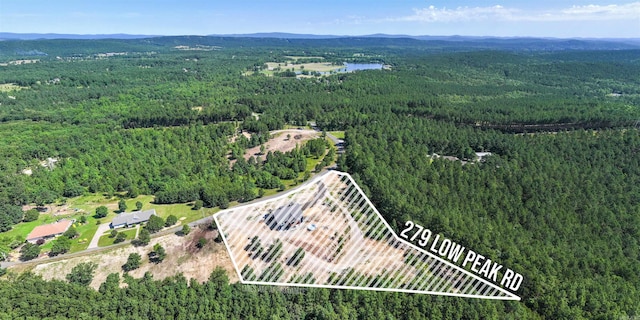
{"x":313,"y":66}
{"x":8,"y":87}
{"x":283,"y":141}
{"x":328,"y":234}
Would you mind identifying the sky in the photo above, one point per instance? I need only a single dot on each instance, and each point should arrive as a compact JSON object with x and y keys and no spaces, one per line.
{"x":524,"y":18}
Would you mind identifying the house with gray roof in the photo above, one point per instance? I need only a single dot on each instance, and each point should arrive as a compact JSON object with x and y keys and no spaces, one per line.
{"x":125,"y":220}
{"x":285,"y":217}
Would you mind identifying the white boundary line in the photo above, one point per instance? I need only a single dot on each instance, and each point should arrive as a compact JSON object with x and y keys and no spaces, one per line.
{"x":507,"y":295}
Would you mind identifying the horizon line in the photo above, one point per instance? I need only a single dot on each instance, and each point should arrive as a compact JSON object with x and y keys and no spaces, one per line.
{"x":274,"y":34}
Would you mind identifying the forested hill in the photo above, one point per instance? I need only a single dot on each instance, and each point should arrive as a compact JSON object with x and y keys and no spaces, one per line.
{"x":64,"y":46}
{"x":557,"y":201}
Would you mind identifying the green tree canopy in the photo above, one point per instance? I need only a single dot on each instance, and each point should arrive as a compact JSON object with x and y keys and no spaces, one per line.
{"x":171,"y":220}
{"x":61,"y":245}
{"x":71,"y":233}
{"x":185,"y":229}
{"x":155,"y":224}
{"x":101,"y":212}
{"x":143,"y":237}
{"x":158,"y":254}
{"x":82,"y":273}
{"x":31,"y":215}
{"x":120,"y":237}
{"x":133,"y":262}
{"x":29,"y":251}
{"x":122,"y":205}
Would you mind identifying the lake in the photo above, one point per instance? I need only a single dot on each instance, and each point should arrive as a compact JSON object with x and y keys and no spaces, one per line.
{"x":349,"y":67}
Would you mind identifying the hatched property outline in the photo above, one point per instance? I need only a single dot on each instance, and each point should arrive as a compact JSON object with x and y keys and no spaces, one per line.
{"x":346,"y":244}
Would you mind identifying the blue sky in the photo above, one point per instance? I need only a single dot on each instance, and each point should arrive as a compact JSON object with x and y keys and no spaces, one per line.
{"x":538,"y":18}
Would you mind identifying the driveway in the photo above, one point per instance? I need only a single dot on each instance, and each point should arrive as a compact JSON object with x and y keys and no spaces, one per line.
{"x":101,"y":230}
{"x":338,"y":142}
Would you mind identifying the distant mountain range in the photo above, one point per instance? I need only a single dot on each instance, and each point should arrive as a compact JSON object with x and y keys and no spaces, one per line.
{"x":283,"y":35}
{"x":34,"y":44}
{"x":47,"y":36}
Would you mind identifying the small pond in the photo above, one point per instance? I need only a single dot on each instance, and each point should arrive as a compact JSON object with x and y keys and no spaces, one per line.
{"x":349,"y":67}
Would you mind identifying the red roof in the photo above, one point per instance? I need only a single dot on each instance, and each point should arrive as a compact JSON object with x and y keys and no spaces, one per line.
{"x":51,"y":229}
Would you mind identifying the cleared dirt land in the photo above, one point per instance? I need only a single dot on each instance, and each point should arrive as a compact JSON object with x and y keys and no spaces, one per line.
{"x":335,"y":245}
{"x":182,"y":257}
{"x":340,"y":241}
{"x":280,"y":142}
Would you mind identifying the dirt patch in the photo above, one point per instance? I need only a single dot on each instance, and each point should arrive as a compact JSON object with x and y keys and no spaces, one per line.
{"x":182,"y":257}
{"x":333,"y":234}
{"x":280,"y":142}
{"x":235,"y":137}
{"x":54,"y":210}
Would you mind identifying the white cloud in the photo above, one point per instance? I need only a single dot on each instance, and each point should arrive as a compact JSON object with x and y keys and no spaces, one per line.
{"x":597,"y":12}
{"x":629,"y":11}
{"x":433,"y":14}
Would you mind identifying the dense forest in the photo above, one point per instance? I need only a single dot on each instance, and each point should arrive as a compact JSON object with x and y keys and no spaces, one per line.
{"x":558,"y":200}
{"x":29,"y":297}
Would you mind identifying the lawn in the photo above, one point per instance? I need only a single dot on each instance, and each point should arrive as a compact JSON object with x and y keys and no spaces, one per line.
{"x":90,"y":202}
{"x":296,"y":58}
{"x":290,"y":126}
{"x":311,"y":165}
{"x":338,"y":134}
{"x":107,"y":240}
{"x":24,"y":228}
{"x":74,"y":208}
{"x":86,"y":232}
{"x":313,"y":66}
{"x":292,"y":65}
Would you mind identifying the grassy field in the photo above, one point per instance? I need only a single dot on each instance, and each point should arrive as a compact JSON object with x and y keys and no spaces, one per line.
{"x":296,"y":58}
{"x":290,"y":126}
{"x":315,"y":66}
{"x":273,"y":67}
{"x":337,"y":134}
{"x":8,"y":87}
{"x":86,"y":232}
{"x":107,"y":240}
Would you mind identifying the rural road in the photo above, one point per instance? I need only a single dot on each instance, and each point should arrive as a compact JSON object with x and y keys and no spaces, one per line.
{"x":47,"y":259}
{"x":101,"y":230}
{"x":334,"y":139}
{"x":338,"y":142}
